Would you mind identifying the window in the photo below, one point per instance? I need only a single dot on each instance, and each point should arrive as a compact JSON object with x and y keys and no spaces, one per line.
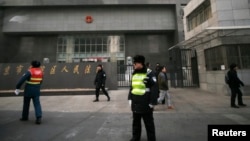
{"x":61,"y":45}
{"x":214,"y":58}
{"x":89,"y":47}
{"x":76,"y":49}
{"x":199,"y":15}
{"x":99,"y":48}
{"x":122,"y":44}
{"x":225,"y":55}
{"x":105,"y":48}
{"x":82,"y":48}
{"x":61,"y":49}
{"x":245,"y":56}
{"x":239,"y":54}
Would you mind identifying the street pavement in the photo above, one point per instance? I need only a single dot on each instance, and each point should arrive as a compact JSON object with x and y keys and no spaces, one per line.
{"x":77,"y":118}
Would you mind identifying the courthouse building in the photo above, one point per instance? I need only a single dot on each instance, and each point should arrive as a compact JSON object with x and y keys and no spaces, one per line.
{"x":218,"y":31}
{"x":80,"y":31}
{"x":89,"y":30}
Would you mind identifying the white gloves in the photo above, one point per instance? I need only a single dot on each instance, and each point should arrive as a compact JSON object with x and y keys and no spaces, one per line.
{"x":17,"y":91}
{"x":151,"y":106}
{"x":129,"y":102}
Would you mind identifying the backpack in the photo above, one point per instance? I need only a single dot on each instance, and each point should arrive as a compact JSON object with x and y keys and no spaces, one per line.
{"x":227,"y":81}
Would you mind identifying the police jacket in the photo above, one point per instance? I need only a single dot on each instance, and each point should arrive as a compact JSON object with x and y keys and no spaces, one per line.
{"x":100,"y":78}
{"x":234,"y":81}
{"x":33,"y":80}
{"x":141,"y":96}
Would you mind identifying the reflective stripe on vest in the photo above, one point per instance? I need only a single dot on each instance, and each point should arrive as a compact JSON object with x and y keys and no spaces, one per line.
{"x":138,"y":86}
{"x":36,"y":76}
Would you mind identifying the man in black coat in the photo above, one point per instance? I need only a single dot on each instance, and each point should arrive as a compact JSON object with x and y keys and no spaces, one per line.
{"x":100,"y":82}
{"x":142,"y":97}
{"x":234,"y":84}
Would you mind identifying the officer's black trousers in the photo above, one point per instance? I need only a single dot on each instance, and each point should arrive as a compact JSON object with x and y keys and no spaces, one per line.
{"x":97,"y":91}
{"x":26,"y":106}
{"x":149,"y":125}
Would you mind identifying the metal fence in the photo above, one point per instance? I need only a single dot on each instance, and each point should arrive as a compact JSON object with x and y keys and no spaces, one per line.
{"x":184,"y":68}
{"x":124,"y":73}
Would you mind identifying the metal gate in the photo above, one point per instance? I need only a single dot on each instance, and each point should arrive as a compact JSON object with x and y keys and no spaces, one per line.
{"x":124,"y":73}
{"x":184,"y":68}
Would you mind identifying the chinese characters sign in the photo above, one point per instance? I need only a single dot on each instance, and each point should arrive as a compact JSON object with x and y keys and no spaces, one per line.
{"x":56,"y":75}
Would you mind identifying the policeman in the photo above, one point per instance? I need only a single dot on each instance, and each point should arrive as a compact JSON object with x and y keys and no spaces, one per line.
{"x":100,"y":83}
{"x":152,"y":73}
{"x":141,"y":96}
{"x":33,"y":79}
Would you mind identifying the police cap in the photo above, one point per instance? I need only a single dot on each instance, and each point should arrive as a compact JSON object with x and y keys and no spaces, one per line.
{"x":139,"y":59}
{"x":35,"y":64}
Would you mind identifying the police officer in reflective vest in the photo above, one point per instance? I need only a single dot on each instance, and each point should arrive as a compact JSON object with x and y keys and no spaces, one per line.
{"x":33,"y":79}
{"x":141,"y":96}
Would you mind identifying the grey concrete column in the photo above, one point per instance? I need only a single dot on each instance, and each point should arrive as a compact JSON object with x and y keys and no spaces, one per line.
{"x":179,"y":22}
{"x":70,"y":49}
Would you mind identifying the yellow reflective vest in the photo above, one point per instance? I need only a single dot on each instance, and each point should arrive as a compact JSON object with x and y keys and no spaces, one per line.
{"x":138,"y":86}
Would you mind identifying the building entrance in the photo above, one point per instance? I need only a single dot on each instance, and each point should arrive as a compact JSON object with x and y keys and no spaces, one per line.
{"x":184,"y":68}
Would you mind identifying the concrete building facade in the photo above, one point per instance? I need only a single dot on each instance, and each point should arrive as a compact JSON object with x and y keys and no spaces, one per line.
{"x":58,"y":30}
{"x":218,"y":30}
{"x":65,"y":31}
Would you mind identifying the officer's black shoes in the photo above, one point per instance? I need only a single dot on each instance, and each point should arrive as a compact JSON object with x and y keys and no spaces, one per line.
{"x":96,"y":100}
{"x":24,"y":119}
{"x":38,"y":121}
{"x":108,"y":98}
{"x":234,"y":106}
{"x":242,"y":105}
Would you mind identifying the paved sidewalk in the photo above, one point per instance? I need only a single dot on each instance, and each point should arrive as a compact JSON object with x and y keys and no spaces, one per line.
{"x":77,"y":118}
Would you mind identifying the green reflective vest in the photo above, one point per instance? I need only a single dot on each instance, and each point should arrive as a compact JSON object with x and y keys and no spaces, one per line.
{"x":138,"y":86}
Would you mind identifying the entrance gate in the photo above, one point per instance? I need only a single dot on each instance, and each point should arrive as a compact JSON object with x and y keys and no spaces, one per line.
{"x":124,"y":75}
{"x":183,"y":68}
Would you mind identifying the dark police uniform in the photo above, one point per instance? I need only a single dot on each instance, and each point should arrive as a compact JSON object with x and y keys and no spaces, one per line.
{"x":100,"y":83}
{"x":33,"y":79}
{"x":234,"y":84}
{"x":142,"y":94}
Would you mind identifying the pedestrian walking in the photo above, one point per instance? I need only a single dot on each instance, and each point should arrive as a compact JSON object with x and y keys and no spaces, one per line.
{"x":234,"y":84}
{"x":99,"y":83}
{"x":33,"y":79}
{"x":157,"y":71}
{"x":163,"y":87}
{"x":157,"y":65}
{"x":141,"y":96}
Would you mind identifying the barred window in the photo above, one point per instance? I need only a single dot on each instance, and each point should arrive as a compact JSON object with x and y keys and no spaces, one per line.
{"x":225,"y":55}
{"x":90,"y":47}
{"x":199,"y":15}
{"x":214,"y":58}
{"x":61,"y":45}
{"x":61,"y":49}
{"x":239,"y":54}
